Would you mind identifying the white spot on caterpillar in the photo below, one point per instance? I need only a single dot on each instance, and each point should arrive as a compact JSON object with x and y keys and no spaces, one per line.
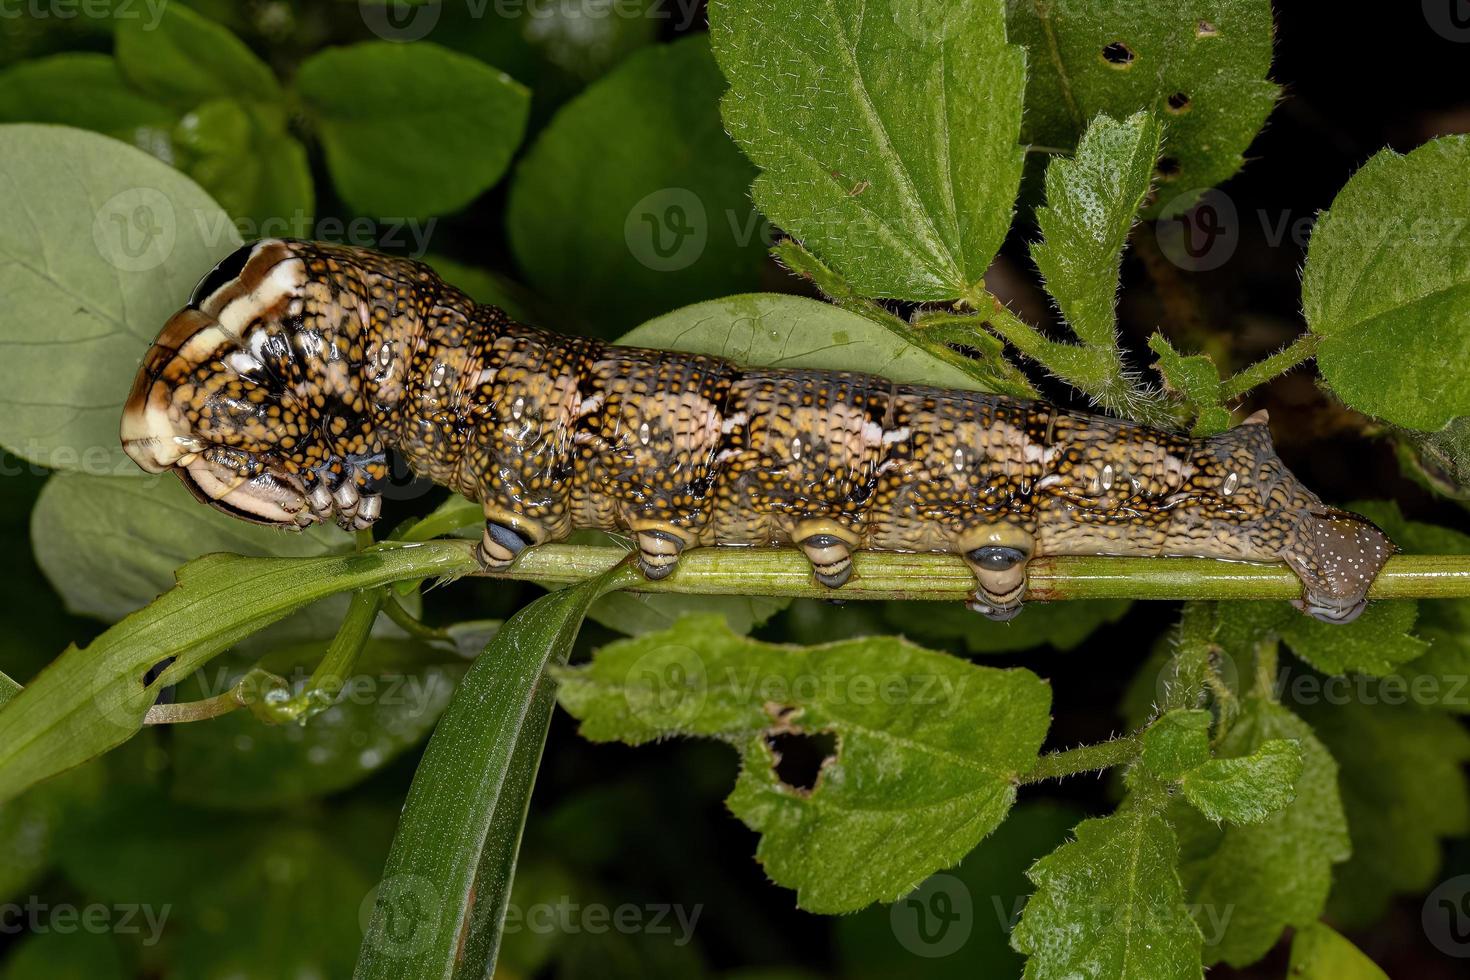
{"x":1231,"y":482}
{"x":440,"y":370}
{"x":897,"y":435}
{"x":1048,"y":481}
{"x":959,"y":460}
{"x":243,"y":363}
{"x":1107,"y":477}
{"x":733,"y":422}
{"x":643,"y":434}
{"x":518,"y":408}
{"x":796,"y":448}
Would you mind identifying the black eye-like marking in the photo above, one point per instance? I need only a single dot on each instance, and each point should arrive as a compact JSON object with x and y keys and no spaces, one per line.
{"x":228,"y":269}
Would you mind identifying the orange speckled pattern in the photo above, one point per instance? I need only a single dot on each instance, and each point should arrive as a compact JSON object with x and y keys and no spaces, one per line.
{"x":277,"y":394}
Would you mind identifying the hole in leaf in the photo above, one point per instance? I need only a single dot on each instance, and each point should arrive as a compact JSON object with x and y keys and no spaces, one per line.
{"x":1118,"y":54}
{"x":1168,"y":168}
{"x":1178,"y":103}
{"x":1206,"y":29}
{"x":156,"y":671}
{"x":800,"y":757}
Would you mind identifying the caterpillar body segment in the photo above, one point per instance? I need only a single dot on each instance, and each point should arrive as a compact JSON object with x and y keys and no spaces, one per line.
{"x":278,"y":392}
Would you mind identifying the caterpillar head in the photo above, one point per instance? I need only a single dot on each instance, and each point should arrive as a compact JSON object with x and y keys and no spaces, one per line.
{"x":249,"y":396}
{"x":1337,"y":556}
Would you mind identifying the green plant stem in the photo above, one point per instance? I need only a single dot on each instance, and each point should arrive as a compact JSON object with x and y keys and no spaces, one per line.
{"x":1084,"y":758}
{"x":406,"y":621}
{"x":173,"y":714}
{"x":893,"y":575}
{"x":1304,"y":348}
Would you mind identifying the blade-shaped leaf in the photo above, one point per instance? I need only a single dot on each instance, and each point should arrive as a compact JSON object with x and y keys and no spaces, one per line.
{"x":1387,"y":286}
{"x":1201,"y":71}
{"x":887,"y":135}
{"x":1109,"y":904}
{"x":92,"y":698}
{"x":1092,"y":201}
{"x":923,"y":757}
{"x":454,"y":854}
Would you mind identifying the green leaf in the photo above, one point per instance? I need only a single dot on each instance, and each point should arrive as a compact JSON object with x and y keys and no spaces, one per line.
{"x":1387,"y":286}
{"x":110,"y":545}
{"x":1403,"y":788}
{"x":1249,"y":882}
{"x":387,"y":706}
{"x":925,"y":748}
{"x":462,"y":822}
{"x":887,"y":139}
{"x":91,"y":699}
{"x":184,"y":59}
{"x":1319,"y":953}
{"x":1375,"y":643}
{"x":771,"y":330}
{"x":87,"y":91}
{"x":1247,"y":789}
{"x":76,"y":954}
{"x":1092,"y":201}
{"x":633,"y":200}
{"x":1062,"y":626}
{"x":1195,"y":379}
{"x":956,"y":926}
{"x":1177,"y":743}
{"x":32,"y":824}
{"x":635,"y":614}
{"x":95,"y":256}
{"x":412,"y":130}
{"x":1216,"y":61}
{"x":244,"y":157}
{"x":1109,"y":904}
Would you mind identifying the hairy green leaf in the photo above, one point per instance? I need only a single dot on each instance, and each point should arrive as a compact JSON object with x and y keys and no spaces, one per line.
{"x":412,"y":130}
{"x":924,"y":749}
{"x":1375,"y":643}
{"x":1247,"y":789}
{"x":1195,"y":379}
{"x":1092,"y":200}
{"x":633,"y":200}
{"x":1319,"y":953}
{"x":1249,"y":882}
{"x":1403,"y":789}
{"x":1109,"y":904}
{"x":1387,"y":286}
{"x":887,"y":138}
{"x":1060,"y":626}
{"x":96,"y":252}
{"x":186,"y":58}
{"x":1202,"y":71}
{"x":771,"y":330}
{"x":1176,"y":743}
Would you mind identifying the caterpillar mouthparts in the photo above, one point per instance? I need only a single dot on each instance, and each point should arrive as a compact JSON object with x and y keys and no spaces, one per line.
{"x":277,"y":393}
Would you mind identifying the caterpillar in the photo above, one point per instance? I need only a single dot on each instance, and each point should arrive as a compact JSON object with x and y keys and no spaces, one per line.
{"x":278,"y":392}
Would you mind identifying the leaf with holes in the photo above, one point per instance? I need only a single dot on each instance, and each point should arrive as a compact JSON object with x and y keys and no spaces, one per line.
{"x":887,"y":138}
{"x":1271,"y":874}
{"x":94,"y":257}
{"x":1109,"y":904}
{"x":1387,"y":286}
{"x":1203,"y":75}
{"x":1092,"y":201}
{"x":1403,"y":789}
{"x":918,"y":752}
